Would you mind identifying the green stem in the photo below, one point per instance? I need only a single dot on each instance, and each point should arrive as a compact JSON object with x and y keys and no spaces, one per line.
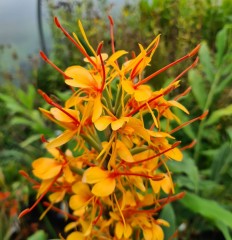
{"x":108,"y":100}
{"x":118,"y":99}
{"x":48,"y":224}
{"x":119,"y":110}
{"x":207,"y":106}
{"x":92,"y":142}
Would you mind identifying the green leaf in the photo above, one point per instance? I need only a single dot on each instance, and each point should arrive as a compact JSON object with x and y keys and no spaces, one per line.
{"x":222,"y":160}
{"x":30,"y":140}
{"x":221,"y":42}
{"x":209,"y":209}
{"x":20,"y":121}
{"x":168,"y":214}
{"x":188,"y":167}
{"x":38,"y":235}
{"x":206,"y":61}
{"x":198,"y":88}
{"x":216,"y":115}
{"x":224,"y":229}
{"x":225,"y":81}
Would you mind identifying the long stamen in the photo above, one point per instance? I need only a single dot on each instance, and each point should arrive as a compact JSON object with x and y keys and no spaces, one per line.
{"x":49,"y":101}
{"x":46,"y":59}
{"x":102,"y":65}
{"x":186,"y":70}
{"x":183,"y":93}
{"x":154,"y":178}
{"x":112,"y":33}
{"x":75,"y":43}
{"x":47,"y":204}
{"x":154,"y":156}
{"x":169,"y":89}
{"x":191,"y":145}
{"x":191,"y":54}
{"x":27,"y":210}
{"x":187,"y":123}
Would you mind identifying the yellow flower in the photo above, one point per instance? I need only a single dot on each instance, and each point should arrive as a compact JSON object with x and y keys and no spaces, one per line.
{"x":104,"y":181}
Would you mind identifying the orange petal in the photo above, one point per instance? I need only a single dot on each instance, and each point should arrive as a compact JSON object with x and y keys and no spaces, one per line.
{"x":75,"y":235}
{"x":119,"y":230}
{"x":142,"y":93}
{"x":46,"y":168}
{"x":103,"y":122}
{"x":124,"y":152}
{"x":94,"y":175}
{"x":61,"y":116}
{"x":175,"y":154}
{"x":97,"y":108}
{"x":104,"y":188}
{"x":62,"y":139}
{"x":128,"y":87}
{"x":57,"y":196}
{"x":115,"y":56}
{"x":78,"y":201}
{"x":157,"y":232}
{"x":81,"y":188}
{"x":81,"y":77}
{"x":115,"y":125}
{"x":180,"y":106}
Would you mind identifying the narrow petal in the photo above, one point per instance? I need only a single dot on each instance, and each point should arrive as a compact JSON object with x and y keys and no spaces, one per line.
{"x":61,"y":116}
{"x":97,"y":108}
{"x":62,"y":139}
{"x":124,"y":152}
{"x":119,"y":229}
{"x":115,"y":56}
{"x":180,"y":106}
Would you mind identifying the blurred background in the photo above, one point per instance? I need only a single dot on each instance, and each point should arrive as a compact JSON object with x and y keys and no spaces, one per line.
{"x":27,"y":26}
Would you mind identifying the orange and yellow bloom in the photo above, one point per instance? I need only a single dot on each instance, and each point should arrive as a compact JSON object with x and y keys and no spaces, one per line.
{"x":115,"y":178}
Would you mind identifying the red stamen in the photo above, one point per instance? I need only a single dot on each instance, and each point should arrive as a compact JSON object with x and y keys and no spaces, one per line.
{"x":186,"y":70}
{"x":183,"y":94}
{"x":46,"y":59}
{"x":25,"y":175}
{"x":191,"y":145}
{"x":47,"y":204}
{"x":154,"y":178}
{"x":102,"y":65}
{"x":100,"y":212}
{"x":187,"y":123}
{"x":112,"y":33}
{"x":169,"y":89}
{"x":83,"y":51}
{"x":51,"y":102}
{"x":192,"y":53}
{"x":27,"y":210}
{"x":43,"y":139}
{"x":154,"y":156}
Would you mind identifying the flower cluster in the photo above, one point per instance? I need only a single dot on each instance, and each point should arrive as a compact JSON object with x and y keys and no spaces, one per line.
{"x":115,"y":178}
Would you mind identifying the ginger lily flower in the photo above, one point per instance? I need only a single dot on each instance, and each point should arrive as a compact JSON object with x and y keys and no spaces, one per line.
{"x":116,"y":168}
